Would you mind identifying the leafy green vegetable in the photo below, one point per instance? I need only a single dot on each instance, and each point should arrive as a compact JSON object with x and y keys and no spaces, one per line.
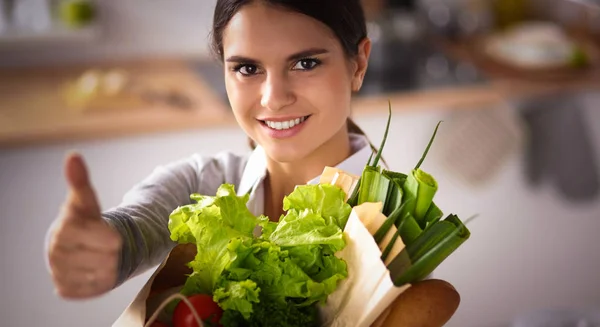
{"x":273,"y":314}
{"x":211,"y":224}
{"x":291,"y":264}
{"x":323,"y":199}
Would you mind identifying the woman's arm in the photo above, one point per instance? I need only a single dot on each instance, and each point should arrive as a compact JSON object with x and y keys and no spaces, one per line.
{"x":142,"y":217}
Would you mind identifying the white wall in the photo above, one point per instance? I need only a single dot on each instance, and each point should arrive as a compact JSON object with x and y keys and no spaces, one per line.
{"x":529,"y":248}
{"x":129,"y":29}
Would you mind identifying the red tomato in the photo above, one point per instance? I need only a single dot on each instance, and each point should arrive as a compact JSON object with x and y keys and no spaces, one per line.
{"x":158,"y":324}
{"x":209,"y":312}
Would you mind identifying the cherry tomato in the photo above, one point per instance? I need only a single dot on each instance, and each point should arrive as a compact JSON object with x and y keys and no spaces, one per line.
{"x":158,"y":324}
{"x":209,"y":312}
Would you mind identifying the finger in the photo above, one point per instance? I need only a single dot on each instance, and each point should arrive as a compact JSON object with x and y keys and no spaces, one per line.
{"x":78,"y":284}
{"x":430,"y":303}
{"x":84,"y":259}
{"x":92,"y":236}
{"x":81,"y":193}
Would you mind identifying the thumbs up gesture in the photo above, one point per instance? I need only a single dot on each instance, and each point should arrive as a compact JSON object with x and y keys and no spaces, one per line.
{"x":84,"y":250}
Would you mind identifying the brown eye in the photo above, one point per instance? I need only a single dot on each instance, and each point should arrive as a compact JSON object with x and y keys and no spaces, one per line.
{"x":247,"y":70}
{"x":306,"y":64}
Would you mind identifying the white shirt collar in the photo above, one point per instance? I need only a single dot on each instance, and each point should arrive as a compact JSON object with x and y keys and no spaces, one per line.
{"x":256,"y":170}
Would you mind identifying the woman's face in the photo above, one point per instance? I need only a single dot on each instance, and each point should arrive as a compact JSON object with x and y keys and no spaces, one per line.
{"x":288,"y":80}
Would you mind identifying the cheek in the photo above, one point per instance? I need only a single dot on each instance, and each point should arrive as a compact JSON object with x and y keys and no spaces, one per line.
{"x":332,"y":93}
{"x":240,"y":97}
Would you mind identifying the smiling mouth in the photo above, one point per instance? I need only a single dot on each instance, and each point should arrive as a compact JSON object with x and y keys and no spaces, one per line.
{"x":284,"y":125}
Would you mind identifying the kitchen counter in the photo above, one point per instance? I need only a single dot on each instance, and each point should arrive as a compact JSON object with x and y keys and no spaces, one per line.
{"x":34,"y":109}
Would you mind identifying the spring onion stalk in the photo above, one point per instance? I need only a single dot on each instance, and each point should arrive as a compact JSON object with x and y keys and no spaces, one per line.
{"x":395,"y":193}
{"x":432,"y":248}
{"x":390,"y":246}
{"x":387,"y":224}
{"x":433,"y":215}
{"x":421,"y":186}
{"x":409,"y":229}
{"x":374,"y":186}
{"x":408,"y":204}
{"x":398,"y":177}
{"x":353,"y":199}
{"x":385,"y":134}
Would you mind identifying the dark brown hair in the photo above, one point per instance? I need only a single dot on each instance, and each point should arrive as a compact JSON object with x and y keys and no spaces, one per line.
{"x":346,"y":18}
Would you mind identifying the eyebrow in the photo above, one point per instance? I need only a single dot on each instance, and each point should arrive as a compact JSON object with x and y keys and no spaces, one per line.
{"x":295,"y":56}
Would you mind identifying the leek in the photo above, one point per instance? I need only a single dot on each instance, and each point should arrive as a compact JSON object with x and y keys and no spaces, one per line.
{"x":408,"y":204}
{"x":395,"y":193}
{"x":385,"y":134}
{"x":421,"y":186}
{"x":432,"y":248}
{"x":433,"y":215}
{"x":409,"y":229}
{"x":390,"y":246}
{"x":387,"y":224}
{"x":374,"y":186}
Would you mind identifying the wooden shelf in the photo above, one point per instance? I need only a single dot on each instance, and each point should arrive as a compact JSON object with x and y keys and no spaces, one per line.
{"x":56,"y":34}
{"x":33,"y":112}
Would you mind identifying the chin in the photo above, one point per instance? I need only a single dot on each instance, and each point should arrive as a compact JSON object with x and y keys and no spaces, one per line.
{"x":285,"y":154}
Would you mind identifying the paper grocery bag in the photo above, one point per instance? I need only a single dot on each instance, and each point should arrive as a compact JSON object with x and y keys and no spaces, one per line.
{"x":368,"y":291}
{"x":171,"y":273}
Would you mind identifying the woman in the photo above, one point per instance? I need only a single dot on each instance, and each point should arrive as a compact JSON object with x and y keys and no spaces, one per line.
{"x":290,"y":70}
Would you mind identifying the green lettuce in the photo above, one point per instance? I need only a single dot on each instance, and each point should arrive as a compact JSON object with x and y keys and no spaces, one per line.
{"x":291,"y":263}
{"x":211,"y":224}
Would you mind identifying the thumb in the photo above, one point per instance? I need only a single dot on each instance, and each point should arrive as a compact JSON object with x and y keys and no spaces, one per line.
{"x":81,"y":196}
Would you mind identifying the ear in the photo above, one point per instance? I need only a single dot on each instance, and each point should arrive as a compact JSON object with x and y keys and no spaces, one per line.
{"x":362,"y":62}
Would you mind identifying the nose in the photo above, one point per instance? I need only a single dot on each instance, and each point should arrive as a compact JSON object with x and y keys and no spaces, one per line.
{"x":276,"y":92}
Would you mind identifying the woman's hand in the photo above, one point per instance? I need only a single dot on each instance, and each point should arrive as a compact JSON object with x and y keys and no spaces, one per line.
{"x":83,"y":250}
{"x":429,"y":303}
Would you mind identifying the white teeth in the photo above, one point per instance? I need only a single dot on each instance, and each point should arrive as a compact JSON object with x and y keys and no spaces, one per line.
{"x":285,"y":124}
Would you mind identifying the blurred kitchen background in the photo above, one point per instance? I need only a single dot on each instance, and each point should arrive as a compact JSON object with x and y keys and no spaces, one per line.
{"x":131,"y":85}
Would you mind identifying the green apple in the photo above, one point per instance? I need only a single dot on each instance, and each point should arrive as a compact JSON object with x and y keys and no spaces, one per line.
{"x":76,"y":13}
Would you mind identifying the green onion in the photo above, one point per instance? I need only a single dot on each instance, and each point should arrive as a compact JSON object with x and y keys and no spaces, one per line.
{"x":432,"y":248}
{"x":385,"y":134}
{"x":390,"y":246}
{"x":421,"y":186}
{"x":399,"y":177}
{"x":387,"y":224}
{"x":433,"y":215}
{"x":409,"y":229}
{"x":353,"y":199}
{"x":394,"y":197}
{"x":374,"y":186}
{"x":428,"y":146}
